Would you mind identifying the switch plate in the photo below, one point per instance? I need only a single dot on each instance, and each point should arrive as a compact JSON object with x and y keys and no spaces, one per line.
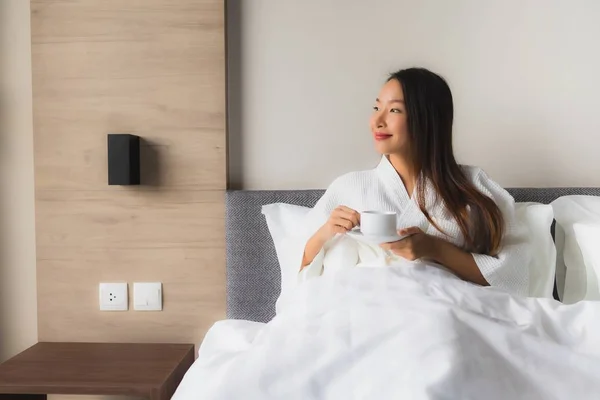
{"x":113,"y":297}
{"x":147,"y":296}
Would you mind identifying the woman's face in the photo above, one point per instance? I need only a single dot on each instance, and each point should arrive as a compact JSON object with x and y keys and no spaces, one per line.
{"x":388,"y":122}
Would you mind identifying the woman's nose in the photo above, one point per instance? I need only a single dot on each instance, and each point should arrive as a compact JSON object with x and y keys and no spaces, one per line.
{"x":379,"y":121}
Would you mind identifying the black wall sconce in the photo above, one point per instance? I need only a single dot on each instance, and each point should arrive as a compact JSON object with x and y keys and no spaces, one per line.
{"x":123,"y":159}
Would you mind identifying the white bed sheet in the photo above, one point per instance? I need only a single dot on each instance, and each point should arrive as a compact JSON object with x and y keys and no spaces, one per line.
{"x":409,"y":331}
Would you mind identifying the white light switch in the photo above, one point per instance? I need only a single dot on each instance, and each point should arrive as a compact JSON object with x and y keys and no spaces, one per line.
{"x":147,"y":296}
{"x":113,"y":297}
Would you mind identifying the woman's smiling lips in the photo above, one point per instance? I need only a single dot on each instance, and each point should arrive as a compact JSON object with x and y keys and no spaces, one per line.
{"x":381,"y":135}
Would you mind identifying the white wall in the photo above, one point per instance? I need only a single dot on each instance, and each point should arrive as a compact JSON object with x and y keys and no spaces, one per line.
{"x":303,"y":75}
{"x":18,"y":319}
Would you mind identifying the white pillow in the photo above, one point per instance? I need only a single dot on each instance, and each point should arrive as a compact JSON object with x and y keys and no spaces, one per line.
{"x":284,"y":221}
{"x":577,"y":241}
{"x":538,"y":218}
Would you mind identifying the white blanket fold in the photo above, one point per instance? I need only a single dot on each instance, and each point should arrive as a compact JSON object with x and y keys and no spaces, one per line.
{"x":411,"y":331}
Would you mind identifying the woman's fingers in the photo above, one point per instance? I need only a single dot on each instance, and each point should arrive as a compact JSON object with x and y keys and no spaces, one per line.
{"x":352,"y":218}
{"x":413,"y":230}
{"x":386,"y":246}
{"x":341,"y":215}
{"x":399,"y":248}
{"x":347,"y":209}
{"x":343,"y":222}
{"x":349,"y":214}
{"x":394,"y":246}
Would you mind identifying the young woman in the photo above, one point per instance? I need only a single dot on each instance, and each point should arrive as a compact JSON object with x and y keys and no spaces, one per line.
{"x":456,"y":216}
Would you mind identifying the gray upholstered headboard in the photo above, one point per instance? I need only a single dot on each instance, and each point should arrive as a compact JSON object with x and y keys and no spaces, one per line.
{"x":253,"y":278}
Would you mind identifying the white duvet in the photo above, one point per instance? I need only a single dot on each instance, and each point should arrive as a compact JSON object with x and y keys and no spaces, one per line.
{"x":409,"y":331}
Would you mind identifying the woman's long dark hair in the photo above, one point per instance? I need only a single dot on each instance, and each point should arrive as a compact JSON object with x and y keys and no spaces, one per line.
{"x":430,"y":114}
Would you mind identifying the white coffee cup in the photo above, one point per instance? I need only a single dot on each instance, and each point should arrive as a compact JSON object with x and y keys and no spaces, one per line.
{"x":378,"y":223}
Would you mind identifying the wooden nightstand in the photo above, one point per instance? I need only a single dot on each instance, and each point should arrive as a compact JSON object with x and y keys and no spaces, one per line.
{"x":152,"y":371}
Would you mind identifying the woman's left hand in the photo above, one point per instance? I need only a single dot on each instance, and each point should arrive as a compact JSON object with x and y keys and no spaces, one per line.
{"x":417,"y":245}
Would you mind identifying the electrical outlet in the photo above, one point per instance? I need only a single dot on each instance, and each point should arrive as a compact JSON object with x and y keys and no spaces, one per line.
{"x":113,"y":297}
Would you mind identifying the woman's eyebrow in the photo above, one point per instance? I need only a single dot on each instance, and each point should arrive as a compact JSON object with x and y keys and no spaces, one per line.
{"x":392,"y":101}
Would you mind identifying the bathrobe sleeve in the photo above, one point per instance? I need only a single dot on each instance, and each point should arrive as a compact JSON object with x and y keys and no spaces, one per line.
{"x":316,"y":217}
{"x":509,"y":270}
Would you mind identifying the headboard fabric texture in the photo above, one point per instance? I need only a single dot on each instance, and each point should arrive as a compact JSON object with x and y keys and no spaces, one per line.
{"x":253,"y":276}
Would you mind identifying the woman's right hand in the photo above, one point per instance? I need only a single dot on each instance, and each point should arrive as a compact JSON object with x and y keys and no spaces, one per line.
{"x":341,"y":220}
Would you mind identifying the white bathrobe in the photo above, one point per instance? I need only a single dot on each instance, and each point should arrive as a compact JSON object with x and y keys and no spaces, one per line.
{"x":382,"y":189}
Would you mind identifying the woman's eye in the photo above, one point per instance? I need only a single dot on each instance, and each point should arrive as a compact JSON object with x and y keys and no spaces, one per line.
{"x":375,"y":108}
{"x":395,"y":110}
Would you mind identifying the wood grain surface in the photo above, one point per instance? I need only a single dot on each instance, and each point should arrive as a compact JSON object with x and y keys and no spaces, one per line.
{"x":154,"y":68}
{"x":150,"y":371}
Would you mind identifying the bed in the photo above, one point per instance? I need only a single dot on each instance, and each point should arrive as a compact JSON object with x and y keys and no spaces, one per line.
{"x":525,"y":353}
{"x":253,"y":275}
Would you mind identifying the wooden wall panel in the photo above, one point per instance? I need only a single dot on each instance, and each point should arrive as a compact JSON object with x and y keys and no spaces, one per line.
{"x":155,"y":68}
